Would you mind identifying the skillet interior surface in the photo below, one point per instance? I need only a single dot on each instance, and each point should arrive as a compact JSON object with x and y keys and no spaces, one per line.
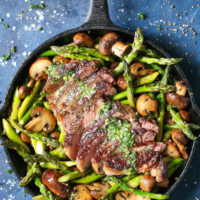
{"x":16,"y":161}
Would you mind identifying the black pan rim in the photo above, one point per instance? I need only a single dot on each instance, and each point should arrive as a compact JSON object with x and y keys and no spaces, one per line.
{"x":86,"y":27}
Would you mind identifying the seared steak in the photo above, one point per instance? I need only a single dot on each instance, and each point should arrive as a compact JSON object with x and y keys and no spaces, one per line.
{"x":100,"y":132}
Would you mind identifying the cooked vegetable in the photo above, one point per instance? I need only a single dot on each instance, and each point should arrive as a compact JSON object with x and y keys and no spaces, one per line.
{"x":145,"y":105}
{"x":60,"y":60}
{"x":172,"y":150}
{"x":182,"y":125}
{"x":15,"y":104}
{"x":25,"y":138}
{"x":38,"y":68}
{"x":129,"y":196}
{"x":82,"y":193}
{"x":185,"y":115}
{"x":42,"y":119}
{"x":119,"y":49}
{"x":106,"y":43}
{"x":83,"y":39}
{"x":28,"y":100}
{"x":127,"y":75}
{"x":160,"y":61}
{"x":12,"y":135}
{"x":181,"y":89}
{"x":147,"y":183}
{"x":137,"y":44}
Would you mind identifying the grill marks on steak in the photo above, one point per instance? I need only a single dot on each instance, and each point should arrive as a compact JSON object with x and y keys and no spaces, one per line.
{"x":76,"y":102}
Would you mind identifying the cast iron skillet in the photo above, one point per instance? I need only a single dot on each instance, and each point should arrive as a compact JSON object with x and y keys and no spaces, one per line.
{"x":97,"y":23}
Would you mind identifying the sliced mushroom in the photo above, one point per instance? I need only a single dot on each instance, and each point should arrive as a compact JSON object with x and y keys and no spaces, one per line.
{"x":24,"y":90}
{"x":181,"y":89}
{"x":185,"y":115}
{"x":129,"y":196}
{"x":50,"y":179}
{"x":172,"y":150}
{"x":42,"y":119}
{"x":163,"y":184}
{"x":97,"y":190}
{"x":119,"y":49}
{"x":181,"y":142}
{"x":178,"y":101}
{"x":136,"y":67}
{"x":107,"y":42}
{"x":82,"y":193}
{"x":147,"y":183}
{"x":25,"y":138}
{"x":38,"y":68}
{"x":145,"y":104}
{"x":83,"y":39}
{"x":61,"y":60}
{"x":121,"y":82}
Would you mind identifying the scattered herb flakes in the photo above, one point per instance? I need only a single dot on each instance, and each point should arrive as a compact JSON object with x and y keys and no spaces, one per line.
{"x":25,"y":192}
{"x":1,"y":19}
{"x":159,"y":27}
{"x":13,"y":49}
{"x":9,"y":171}
{"x":6,"y":57}
{"x":40,"y":28}
{"x":6,"y":26}
{"x":21,"y":14}
{"x":141,"y":16}
{"x":36,"y":6}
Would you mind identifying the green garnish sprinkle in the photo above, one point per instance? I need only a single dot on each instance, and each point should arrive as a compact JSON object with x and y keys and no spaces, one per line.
{"x":9,"y":171}
{"x":1,"y":19}
{"x":40,"y":6}
{"x":159,"y":27}
{"x":6,"y":57}
{"x":141,"y":16}
{"x":13,"y":49}
{"x":6,"y":26}
{"x":40,"y":28}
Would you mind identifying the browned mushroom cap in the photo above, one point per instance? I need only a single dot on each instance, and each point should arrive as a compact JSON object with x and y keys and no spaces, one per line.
{"x":42,"y":119}
{"x":121,"y":82}
{"x":82,"y":193}
{"x":38,"y":68}
{"x":181,"y":142}
{"x":119,"y":49}
{"x":185,"y":115}
{"x":178,"y":101}
{"x":172,"y":150}
{"x":83,"y":39}
{"x":145,"y":104}
{"x":136,"y":67}
{"x":60,"y":59}
{"x":181,"y":89}
{"x":147,"y":183}
{"x":50,"y":179}
{"x":97,"y":190}
{"x":106,"y":43}
{"x":23,"y":91}
{"x":129,"y":196}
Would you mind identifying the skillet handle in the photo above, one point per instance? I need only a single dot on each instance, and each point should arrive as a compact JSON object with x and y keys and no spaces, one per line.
{"x":98,"y":14}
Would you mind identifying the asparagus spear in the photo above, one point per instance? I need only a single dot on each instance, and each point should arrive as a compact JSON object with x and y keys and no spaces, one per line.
{"x":59,"y":152}
{"x":160,"y":69}
{"x":160,"y":61}
{"x":176,"y":126}
{"x":49,"y":159}
{"x":167,"y":135}
{"x":46,"y":105}
{"x":39,"y":197}
{"x":74,"y":49}
{"x":27,"y":115}
{"x":89,"y":178}
{"x":137,"y":44}
{"x":149,"y":52}
{"x":31,"y":173}
{"x":28,"y":100}
{"x":44,"y":191}
{"x":52,"y":166}
{"x":17,"y":147}
{"x":78,"y":56}
{"x":48,"y":53}
{"x":15,"y":104}
{"x":37,"y":136}
{"x":162,"y":103}
{"x":172,"y":169}
{"x":135,"y":182}
{"x":124,"y":102}
{"x":128,"y":79}
{"x":144,"y":89}
{"x":12,"y":135}
{"x":70,"y":176}
{"x":183,"y":126}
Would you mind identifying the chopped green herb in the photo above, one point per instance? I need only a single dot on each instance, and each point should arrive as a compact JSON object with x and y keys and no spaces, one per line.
{"x":1,"y":19}
{"x":159,"y":27}
{"x":9,"y":171}
{"x":41,"y":6}
{"x":141,"y":16}
{"x":25,"y":192}
{"x":6,"y":26}
{"x":148,"y":150}
{"x":40,"y":28}
{"x":22,"y":13}
{"x":13,"y":49}
{"x":6,"y":57}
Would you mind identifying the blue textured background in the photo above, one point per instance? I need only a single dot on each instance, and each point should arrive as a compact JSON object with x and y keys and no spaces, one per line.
{"x":179,"y":20}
